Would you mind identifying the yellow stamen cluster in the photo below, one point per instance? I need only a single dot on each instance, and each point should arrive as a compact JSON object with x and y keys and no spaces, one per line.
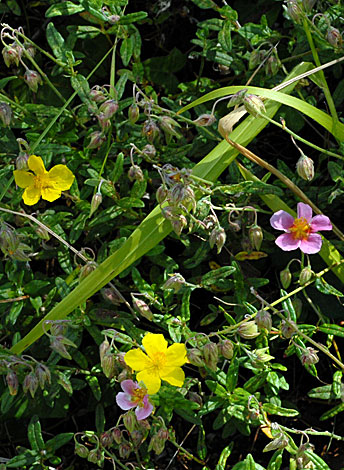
{"x":300,"y":229}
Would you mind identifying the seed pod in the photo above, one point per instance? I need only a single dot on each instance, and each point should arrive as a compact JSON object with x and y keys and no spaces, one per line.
{"x":226,"y":348}
{"x":95,"y":203}
{"x":32,"y":79}
{"x":334,"y":37}
{"x":309,"y":356}
{"x":305,"y":168}
{"x":264,"y":320}
{"x":142,"y":308}
{"x":305,"y":275}
{"x":218,"y":238}
{"x":195,"y":357}
{"x":129,"y":421}
{"x":133,"y":113}
{"x":294,"y":10}
{"x":211,"y":355}
{"x":97,"y":139}
{"x":135,"y":173}
{"x":175,"y":282}
{"x":248,"y":330}
{"x":237,"y":98}
{"x":285,"y":278}
{"x":150,"y":130}
{"x":5,"y":114}
{"x":109,"y":108}
{"x":288,"y":329}
{"x":254,"y":105}
{"x":12,"y":382}
{"x":81,"y":450}
{"x":255,"y":235}
{"x":205,"y":120}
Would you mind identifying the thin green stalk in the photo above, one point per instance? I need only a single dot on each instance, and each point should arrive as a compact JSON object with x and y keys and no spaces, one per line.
{"x":13,"y":103}
{"x":311,"y":432}
{"x":10,"y":181}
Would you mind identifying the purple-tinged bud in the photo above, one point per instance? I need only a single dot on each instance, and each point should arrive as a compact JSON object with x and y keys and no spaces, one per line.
{"x":195,"y":357}
{"x":161,"y":194}
{"x":144,"y":425}
{"x":305,"y":275}
{"x":217,"y":237}
{"x":9,"y":241}
{"x":226,"y":348}
{"x":97,"y":95}
{"x":12,"y":382}
{"x":104,"y":348}
{"x":87,"y":269}
{"x":294,"y":10}
{"x":305,"y":168}
{"x":133,"y":113}
{"x":59,"y":327}
{"x":21,"y":161}
{"x":297,"y":304}
{"x":43,"y":375}
{"x":248,"y":330}
{"x":168,"y":125}
{"x":264,"y":320}
{"x":5,"y":114}
{"x":95,"y":203}
{"x":109,"y":365}
{"x":178,"y":193}
{"x":178,"y":224}
{"x":81,"y":450}
{"x":334,"y":37}
{"x":109,"y":108}
{"x":285,"y":278}
{"x":32,"y":79}
{"x":117,"y":435}
{"x":175,"y":282}
{"x":149,"y":152}
{"x":237,"y":98}
{"x":104,"y":123}
{"x":142,"y":308}
{"x":110,"y":295}
{"x":150,"y":130}
{"x":124,"y":375}
{"x":129,"y":421}
{"x":308,"y":5}
{"x":42,"y":233}
{"x":253,"y":105}
{"x":255,"y":234}
{"x":272,"y":65}
{"x":124,"y":450}
{"x":205,"y":120}
{"x":113,"y":19}
{"x":57,"y":345}
{"x":135,"y":173}
{"x":96,"y":456}
{"x":30,"y":384}
{"x":157,"y":442}
{"x":288,"y":329}
{"x":211,"y":355}
{"x":121,"y":361}
{"x":168,"y":212}
{"x":196,"y":398}
{"x":106,"y":439}
{"x":136,"y":437}
{"x":30,"y":49}
{"x":11,"y":55}
{"x":309,"y":356}
{"x":97,"y":139}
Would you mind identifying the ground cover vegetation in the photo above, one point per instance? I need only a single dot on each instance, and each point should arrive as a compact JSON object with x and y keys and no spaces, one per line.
{"x":171,"y":279}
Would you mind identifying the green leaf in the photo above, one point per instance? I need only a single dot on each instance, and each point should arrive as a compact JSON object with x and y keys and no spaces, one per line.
{"x":212,"y":276}
{"x":325,"y":288}
{"x":205,"y":4}
{"x":35,"y":434}
{"x":95,"y":387}
{"x":279,"y":410}
{"x":224,"y":36}
{"x":58,"y":441}
{"x":126,"y":50}
{"x":100,"y":418}
{"x":133,"y":17}
{"x":56,"y":42}
{"x":66,"y":8}
{"x":226,"y":452}
{"x":232,"y":375}
{"x":332,"y":330}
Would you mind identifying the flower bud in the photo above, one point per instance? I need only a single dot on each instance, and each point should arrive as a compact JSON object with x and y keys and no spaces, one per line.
{"x":57,"y":344}
{"x":97,"y":95}
{"x":42,"y":233}
{"x":21,"y":161}
{"x":117,"y":435}
{"x":97,"y":139}
{"x":205,"y":120}
{"x":104,"y":122}
{"x":142,"y":308}
{"x":133,"y":113}
{"x":135,"y":173}
{"x":255,"y":59}
{"x":211,"y":355}
{"x":124,"y":450}
{"x":81,"y":450}
{"x":309,"y":356}
{"x":248,"y":330}
{"x":43,"y":375}
{"x":110,"y":295}
{"x":305,"y":168}
{"x":136,"y":437}
{"x":157,"y":444}
{"x":109,"y":108}
{"x":305,"y":275}
{"x":30,"y":49}
{"x":297,"y":304}
{"x":95,"y":203}
{"x":260,"y":356}
{"x":168,"y":125}
{"x":113,"y":19}
{"x":308,"y":5}
{"x":237,"y":98}
{"x":253,"y":105}
{"x":95,"y":456}
{"x":104,"y":348}
{"x":109,"y":365}
{"x":175,"y":282}
{"x":87,"y":269}
{"x":150,"y":130}
{"x":5,"y":114}
{"x":218,"y":238}
{"x":264,"y":320}
{"x":294,"y":10}
{"x":9,"y":241}
{"x":196,"y":398}
{"x":226,"y":348}
{"x":33,"y":79}
{"x":11,"y":55}
{"x":285,"y":278}
{"x":178,"y":224}
{"x":12,"y":382}
{"x":195,"y":357}
{"x":334,"y":37}
{"x":106,"y":439}
{"x":255,"y":235}
{"x":161,"y":194}
{"x":30,"y":384}
{"x":272,"y":65}
{"x":149,"y":152}
{"x":288,"y":329}
{"x":280,"y":442}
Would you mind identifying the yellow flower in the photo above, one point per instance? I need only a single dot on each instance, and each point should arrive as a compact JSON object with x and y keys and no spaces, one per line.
{"x":47,"y":184}
{"x":160,"y":362}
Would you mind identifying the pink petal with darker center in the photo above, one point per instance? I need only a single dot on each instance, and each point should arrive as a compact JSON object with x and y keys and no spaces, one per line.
{"x":287,"y":242}
{"x":123,"y":401}
{"x":312,"y":244}
{"x":128,"y":386}
{"x":281,"y":220}
{"x":320,"y":222}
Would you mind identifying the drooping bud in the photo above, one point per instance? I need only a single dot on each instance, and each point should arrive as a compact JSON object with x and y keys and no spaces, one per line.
{"x":9,"y":241}
{"x":196,"y":398}
{"x":12,"y":382}
{"x":104,"y":348}
{"x":32,"y":79}
{"x":211,"y":355}
{"x":117,"y":435}
{"x":81,"y":450}
{"x":195,"y":357}
{"x":97,"y":95}
{"x":109,"y":108}
{"x":21,"y":161}
{"x":297,"y":304}
{"x":294,"y":10}
{"x":255,"y":59}
{"x":87,"y":269}
{"x":136,"y":437}
{"x":158,"y":441}
{"x":142,"y":308}
{"x":42,"y":233}
{"x":97,"y":139}
{"x":95,"y":203}
{"x":161,"y":194}
{"x":205,"y":120}
{"x":43,"y":375}
{"x":288,"y":329}
{"x":150,"y":130}
{"x":334,"y":37}
{"x":175,"y":282}
{"x":149,"y":152}
{"x":309,"y":356}
{"x":58,"y":344}
{"x":308,"y":5}
{"x":254,"y":105}
{"x":272,"y":65}
{"x":109,"y":365}
{"x":178,"y":224}
{"x":11,"y":55}
{"x":133,"y":113}
{"x":305,"y":168}
{"x":104,"y":122}
{"x":106,"y":439}
{"x":135,"y":173}
{"x":226,"y":348}
{"x":168,"y":125}
{"x":218,"y":238}
{"x":255,"y":235}
{"x":264,"y":320}
{"x":5,"y":114}
{"x":248,"y":330}
{"x":285,"y":278}
{"x":280,"y":442}
{"x":129,"y":420}
{"x":260,"y":356}
{"x":30,"y":384}
{"x":111,"y":295}
{"x":237,"y":98}
{"x":305,"y":275}
{"x":30,"y":49}
{"x":95,"y":456}
{"x":124,"y":450}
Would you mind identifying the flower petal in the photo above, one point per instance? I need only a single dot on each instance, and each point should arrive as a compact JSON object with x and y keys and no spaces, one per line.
{"x":312,"y":244}
{"x":31,"y":195}
{"x":318,"y":223}
{"x":173,"y":375}
{"x":61,"y":177}
{"x":287,"y":242}
{"x":281,"y":220}
{"x":144,"y":411}
{"x":50,"y":194}
{"x":36,"y":165}
{"x":137,"y":359}
{"x":23,"y":179}
{"x":128,"y":386}
{"x":154,"y":343}
{"x":304,"y":210}
{"x":123,"y":401}
{"x":151,"y":380}
{"x":176,"y":355}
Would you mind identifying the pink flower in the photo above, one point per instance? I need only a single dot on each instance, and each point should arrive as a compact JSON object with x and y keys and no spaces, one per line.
{"x":300,"y":232}
{"x":134,"y":395}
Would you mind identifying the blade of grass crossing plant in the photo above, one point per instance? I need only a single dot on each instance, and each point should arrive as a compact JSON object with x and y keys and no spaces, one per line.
{"x":328,"y":252}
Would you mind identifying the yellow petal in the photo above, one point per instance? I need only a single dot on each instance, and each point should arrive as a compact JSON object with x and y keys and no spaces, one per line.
{"x":173,"y":375}
{"x":151,"y":380}
{"x":50,"y":194}
{"x":24,"y":178}
{"x":36,"y":165}
{"x":176,"y":355}
{"x":31,"y":195}
{"x":137,"y":360}
{"x":154,"y":343}
{"x":61,"y":177}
